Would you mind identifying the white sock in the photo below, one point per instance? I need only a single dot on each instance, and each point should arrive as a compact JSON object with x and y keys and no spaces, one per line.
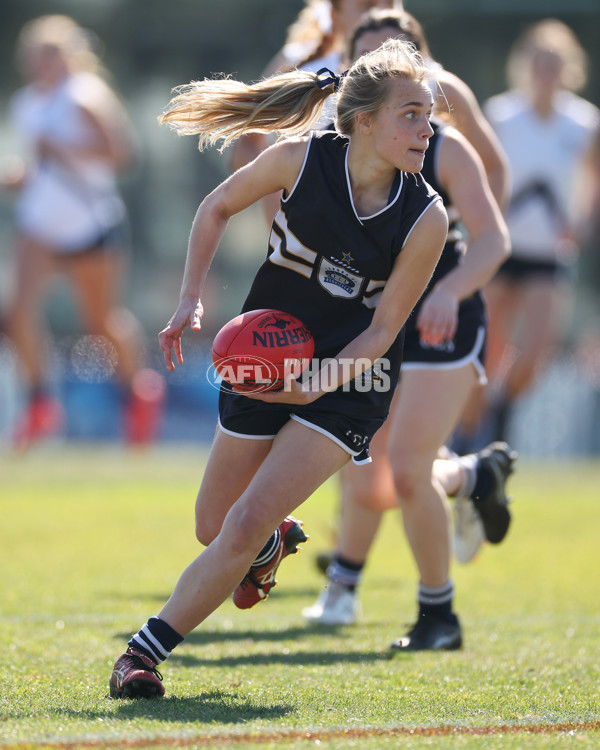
{"x":468,"y":464}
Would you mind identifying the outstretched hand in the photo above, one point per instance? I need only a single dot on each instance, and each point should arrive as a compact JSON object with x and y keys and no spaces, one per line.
{"x":189,"y":313}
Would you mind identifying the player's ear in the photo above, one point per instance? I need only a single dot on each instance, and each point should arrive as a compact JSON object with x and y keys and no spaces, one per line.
{"x":362,"y":122}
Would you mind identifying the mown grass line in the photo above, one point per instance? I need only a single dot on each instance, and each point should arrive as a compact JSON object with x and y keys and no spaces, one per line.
{"x":229,"y":740}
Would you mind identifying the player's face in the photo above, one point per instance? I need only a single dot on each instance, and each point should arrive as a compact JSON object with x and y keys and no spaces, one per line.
{"x":401,"y":129}
{"x":546,"y":70}
{"x":42,"y":63}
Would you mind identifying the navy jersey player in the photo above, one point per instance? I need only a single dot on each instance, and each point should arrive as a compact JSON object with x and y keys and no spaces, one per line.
{"x":328,"y":266}
{"x":352,"y":249}
{"x":442,"y":364}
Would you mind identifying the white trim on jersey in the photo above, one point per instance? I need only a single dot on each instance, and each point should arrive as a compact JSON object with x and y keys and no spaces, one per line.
{"x":286,"y":198}
{"x":362,"y":219}
{"x":420,"y":216}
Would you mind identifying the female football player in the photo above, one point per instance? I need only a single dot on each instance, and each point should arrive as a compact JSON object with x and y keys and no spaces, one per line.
{"x":352,"y":247}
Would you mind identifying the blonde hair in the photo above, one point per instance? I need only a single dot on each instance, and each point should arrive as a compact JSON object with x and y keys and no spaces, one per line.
{"x":65,"y":34}
{"x":289,"y":104}
{"x":554,"y":36}
{"x":313,"y":31}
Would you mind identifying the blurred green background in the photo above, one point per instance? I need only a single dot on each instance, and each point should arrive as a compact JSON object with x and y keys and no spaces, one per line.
{"x":150,"y":46}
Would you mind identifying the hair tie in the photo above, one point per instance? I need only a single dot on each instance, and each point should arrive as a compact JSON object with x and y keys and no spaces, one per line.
{"x":326,"y":77}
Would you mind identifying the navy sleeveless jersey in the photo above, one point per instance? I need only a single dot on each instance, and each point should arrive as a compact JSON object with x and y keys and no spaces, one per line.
{"x":326,"y":264}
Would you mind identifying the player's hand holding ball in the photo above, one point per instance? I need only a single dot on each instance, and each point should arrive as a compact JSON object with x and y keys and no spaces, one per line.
{"x":261,"y":353}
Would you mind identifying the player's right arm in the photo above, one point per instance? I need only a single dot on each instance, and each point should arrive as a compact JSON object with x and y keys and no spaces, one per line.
{"x":276,"y":169}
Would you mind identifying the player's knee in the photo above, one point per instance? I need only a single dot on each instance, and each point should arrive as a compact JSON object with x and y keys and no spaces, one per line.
{"x":206,"y":529}
{"x":246,"y":529}
{"x":407,"y":483}
{"x":373,"y":496}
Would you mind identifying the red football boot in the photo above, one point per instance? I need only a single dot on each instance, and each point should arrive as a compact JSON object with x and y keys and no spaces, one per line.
{"x":144,"y":411}
{"x":258,"y":581}
{"x":43,"y":418}
{"x":135,"y":676}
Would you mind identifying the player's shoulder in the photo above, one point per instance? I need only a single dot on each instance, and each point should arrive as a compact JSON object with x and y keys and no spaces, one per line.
{"x":427,"y":206}
{"x":416,"y":185}
{"x":579,"y":109}
{"x":285,"y":156}
{"x":19,"y":100}
{"x":89,"y":90}
{"x":505,"y":106}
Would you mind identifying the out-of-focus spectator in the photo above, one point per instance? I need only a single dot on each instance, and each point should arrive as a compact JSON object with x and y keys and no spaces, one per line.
{"x":70,"y":219}
{"x":546,"y":131}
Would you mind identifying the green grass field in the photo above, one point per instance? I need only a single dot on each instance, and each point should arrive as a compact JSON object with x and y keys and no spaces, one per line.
{"x":92,"y":541}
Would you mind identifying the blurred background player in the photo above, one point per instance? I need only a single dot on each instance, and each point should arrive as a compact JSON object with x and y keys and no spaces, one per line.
{"x":318,"y":38}
{"x":71,"y":219}
{"x":321,"y":37}
{"x":443,"y":362}
{"x":546,"y":131}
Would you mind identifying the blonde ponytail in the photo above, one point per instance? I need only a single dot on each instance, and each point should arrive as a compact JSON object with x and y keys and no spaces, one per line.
{"x":223,"y":109}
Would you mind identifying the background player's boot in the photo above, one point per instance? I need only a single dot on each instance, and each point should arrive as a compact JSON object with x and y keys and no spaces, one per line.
{"x":337,"y":605}
{"x":468,"y":533}
{"x":431,"y":634}
{"x":43,"y":418}
{"x":144,"y":408}
{"x":135,"y":676}
{"x":497,"y":460}
{"x":258,"y":581}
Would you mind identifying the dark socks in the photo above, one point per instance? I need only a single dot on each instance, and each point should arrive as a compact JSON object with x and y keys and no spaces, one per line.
{"x":156,"y":639}
{"x":437,"y":602}
{"x":345,"y":572}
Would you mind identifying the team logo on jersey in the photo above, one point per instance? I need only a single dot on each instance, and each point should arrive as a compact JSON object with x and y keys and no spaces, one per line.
{"x":338,"y":281}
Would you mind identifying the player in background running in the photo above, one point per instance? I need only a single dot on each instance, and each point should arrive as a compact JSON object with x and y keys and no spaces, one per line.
{"x":71,"y":220}
{"x":442,"y":364}
{"x":547,"y":131}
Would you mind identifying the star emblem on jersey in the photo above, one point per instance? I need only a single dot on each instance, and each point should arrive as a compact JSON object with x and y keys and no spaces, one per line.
{"x":347,"y":257}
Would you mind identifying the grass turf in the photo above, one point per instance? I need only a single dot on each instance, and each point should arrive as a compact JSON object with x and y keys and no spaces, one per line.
{"x":92,"y":541}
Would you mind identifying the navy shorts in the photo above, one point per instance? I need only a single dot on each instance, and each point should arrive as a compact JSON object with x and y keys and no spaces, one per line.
{"x":468,"y":345}
{"x":112,"y":239}
{"x":517,"y":269}
{"x":339,"y":415}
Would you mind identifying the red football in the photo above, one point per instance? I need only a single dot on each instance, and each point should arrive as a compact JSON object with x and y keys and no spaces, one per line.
{"x":251,"y":351}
